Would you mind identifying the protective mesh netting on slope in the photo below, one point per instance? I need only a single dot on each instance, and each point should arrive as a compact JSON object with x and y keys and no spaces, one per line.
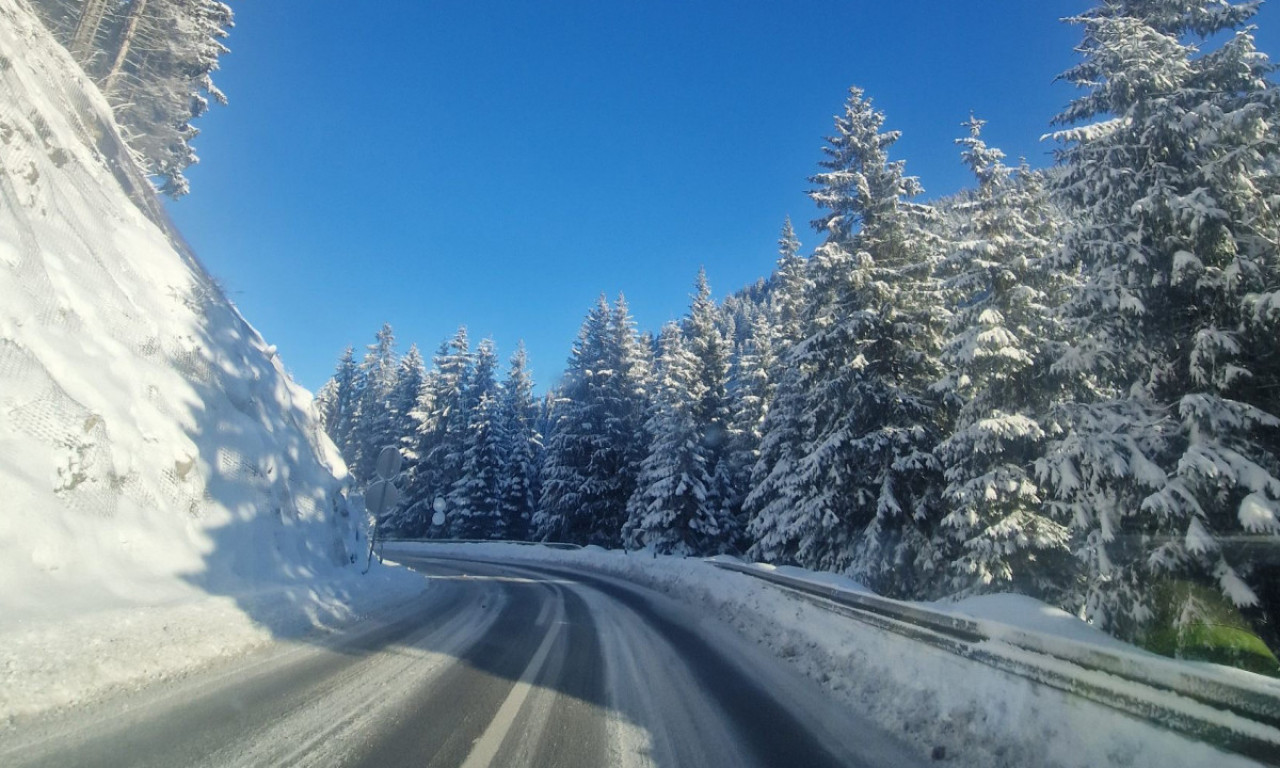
{"x":150,"y":441}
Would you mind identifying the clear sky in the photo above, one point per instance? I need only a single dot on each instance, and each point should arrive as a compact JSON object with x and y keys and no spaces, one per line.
{"x":499,"y":164}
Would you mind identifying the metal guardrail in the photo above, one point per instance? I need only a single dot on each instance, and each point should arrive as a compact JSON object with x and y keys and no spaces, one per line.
{"x":547,"y":544}
{"x":1162,"y":691}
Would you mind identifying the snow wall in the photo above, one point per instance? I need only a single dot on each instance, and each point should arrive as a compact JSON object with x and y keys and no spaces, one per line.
{"x":152,"y":446}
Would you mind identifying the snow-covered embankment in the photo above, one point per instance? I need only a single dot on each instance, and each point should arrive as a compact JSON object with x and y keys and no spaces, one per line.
{"x":166,"y":496}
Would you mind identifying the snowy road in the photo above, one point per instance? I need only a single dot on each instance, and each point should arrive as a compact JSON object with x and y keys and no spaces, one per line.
{"x":498,"y":665}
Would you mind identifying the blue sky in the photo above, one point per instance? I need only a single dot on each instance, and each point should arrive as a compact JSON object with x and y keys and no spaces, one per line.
{"x":434,"y":163}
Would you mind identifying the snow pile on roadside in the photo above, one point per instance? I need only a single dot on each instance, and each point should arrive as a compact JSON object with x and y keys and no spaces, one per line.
{"x":167,"y":493}
{"x":1008,"y":610}
{"x":977,"y":714}
{"x":1027,"y":613}
{"x":46,"y":665}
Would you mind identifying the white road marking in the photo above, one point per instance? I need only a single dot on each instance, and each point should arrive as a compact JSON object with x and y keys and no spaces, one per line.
{"x":486,"y":747}
{"x":543,"y":615}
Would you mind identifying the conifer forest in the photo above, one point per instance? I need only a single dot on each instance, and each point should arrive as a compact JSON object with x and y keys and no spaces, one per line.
{"x":1062,"y":382}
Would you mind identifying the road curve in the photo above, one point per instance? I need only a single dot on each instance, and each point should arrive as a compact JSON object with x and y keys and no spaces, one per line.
{"x":497,"y":665}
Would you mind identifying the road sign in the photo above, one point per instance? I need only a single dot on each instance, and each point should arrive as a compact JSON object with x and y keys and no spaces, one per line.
{"x":381,"y":497}
{"x":388,"y":464}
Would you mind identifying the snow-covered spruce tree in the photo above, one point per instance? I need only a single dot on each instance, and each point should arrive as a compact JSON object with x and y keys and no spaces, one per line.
{"x":474,"y":501}
{"x":672,"y":511}
{"x":597,"y":438}
{"x":374,"y":425}
{"x":779,"y":526}
{"x":738,"y":312}
{"x":1001,"y":337}
{"x":751,"y":395}
{"x":758,"y":367}
{"x":626,"y":385}
{"x":546,"y":419}
{"x":634,"y":352}
{"x":1171,"y":454}
{"x":708,"y":337}
{"x":336,"y":403}
{"x":441,"y":427}
{"x":522,"y":454}
{"x":790,"y":289}
{"x":862,"y":492}
{"x":410,"y":378}
{"x":570,"y":439}
{"x":770,"y":506}
{"x":402,"y":433}
{"x":682,"y":498}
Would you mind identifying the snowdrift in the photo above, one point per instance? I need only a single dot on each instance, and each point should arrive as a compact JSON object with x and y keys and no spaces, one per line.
{"x":152,"y":447}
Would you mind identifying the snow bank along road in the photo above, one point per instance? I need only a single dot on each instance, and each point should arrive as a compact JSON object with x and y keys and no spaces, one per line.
{"x":495,"y":665}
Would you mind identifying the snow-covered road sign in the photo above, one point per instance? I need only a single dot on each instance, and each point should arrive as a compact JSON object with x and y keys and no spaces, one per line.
{"x":381,"y":497}
{"x":388,"y":464}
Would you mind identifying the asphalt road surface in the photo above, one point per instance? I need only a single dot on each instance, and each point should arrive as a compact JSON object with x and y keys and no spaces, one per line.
{"x":496,"y":665}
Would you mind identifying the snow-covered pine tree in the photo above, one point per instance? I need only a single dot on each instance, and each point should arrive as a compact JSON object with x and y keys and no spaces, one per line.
{"x":596,"y":444}
{"x":441,"y":426}
{"x":374,"y":427}
{"x":546,"y":418}
{"x":790,"y":289}
{"x":1001,"y":337}
{"x":709,"y":341}
{"x":759,"y":366}
{"x":751,"y":396}
{"x":403,"y":403}
{"x":739,"y":311}
{"x":336,"y":402}
{"x":859,"y":490}
{"x":521,"y":481}
{"x":631,"y":357}
{"x":771,"y":504}
{"x":1170,"y":163}
{"x":474,"y":500}
{"x":683,"y":493}
{"x":673,"y":510}
{"x":572,"y":440}
{"x":410,"y":378}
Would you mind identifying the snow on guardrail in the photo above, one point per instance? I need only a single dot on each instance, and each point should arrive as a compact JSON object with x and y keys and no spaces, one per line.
{"x":1236,"y":711}
{"x":547,"y":544}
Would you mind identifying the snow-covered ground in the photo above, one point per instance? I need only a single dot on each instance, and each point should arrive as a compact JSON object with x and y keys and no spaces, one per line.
{"x":978,"y":715}
{"x":166,"y":494}
{"x":50,"y":664}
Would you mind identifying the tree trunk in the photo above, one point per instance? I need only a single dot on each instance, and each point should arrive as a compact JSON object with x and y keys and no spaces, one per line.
{"x":136,"y":9}
{"x":91,"y":16}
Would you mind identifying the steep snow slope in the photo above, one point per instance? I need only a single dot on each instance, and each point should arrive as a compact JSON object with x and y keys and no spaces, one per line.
{"x":151,"y":445}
